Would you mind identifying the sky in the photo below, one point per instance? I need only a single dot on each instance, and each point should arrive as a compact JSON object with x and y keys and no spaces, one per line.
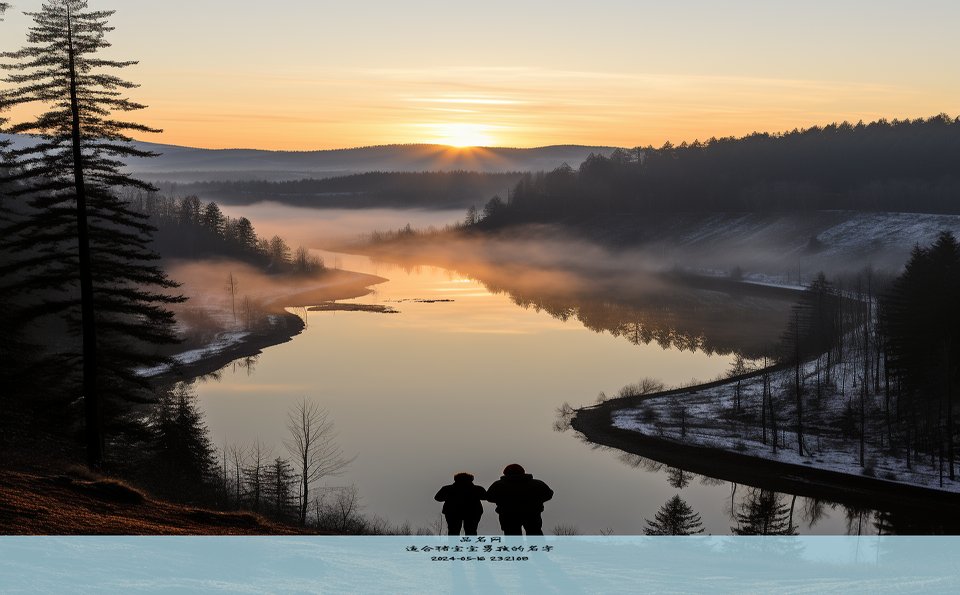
{"x":308,"y":74}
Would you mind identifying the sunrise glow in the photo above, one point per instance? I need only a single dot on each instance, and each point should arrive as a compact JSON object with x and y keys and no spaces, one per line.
{"x":462,"y":135}
{"x":416,"y":74}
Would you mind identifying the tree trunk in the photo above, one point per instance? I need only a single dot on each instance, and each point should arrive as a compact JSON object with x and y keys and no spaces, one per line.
{"x":91,"y":398}
{"x":876,"y":369}
{"x":799,"y":393}
{"x":763,"y":406}
{"x":793,"y":502}
{"x":826,"y":373}
{"x":886,"y":397}
{"x":950,"y":459}
{"x":863,"y":421}
{"x":773,"y":422}
{"x":304,"y":490}
{"x":909,"y":452}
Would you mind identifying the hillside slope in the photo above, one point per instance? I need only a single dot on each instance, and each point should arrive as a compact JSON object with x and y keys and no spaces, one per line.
{"x":38,"y":503}
{"x":770,"y":243}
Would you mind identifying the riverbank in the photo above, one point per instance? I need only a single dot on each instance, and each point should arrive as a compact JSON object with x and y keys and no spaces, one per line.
{"x":276,"y":326}
{"x":701,"y":429}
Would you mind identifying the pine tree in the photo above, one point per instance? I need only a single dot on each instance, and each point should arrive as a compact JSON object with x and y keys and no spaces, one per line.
{"x":278,"y":489}
{"x":923,"y":339}
{"x":3,"y":143}
{"x":676,"y":517}
{"x":762,"y":513}
{"x":279,"y":253}
{"x":88,"y":252}
{"x":212,"y":219}
{"x":240,"y":233}
{"x":184,"y":455}
{"x":678,"y":478}
{"x":254,"y":475}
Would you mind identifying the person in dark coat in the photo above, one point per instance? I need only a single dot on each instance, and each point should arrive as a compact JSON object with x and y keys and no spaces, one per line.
{"x":519,"y":499}
{"x":461,"y":504}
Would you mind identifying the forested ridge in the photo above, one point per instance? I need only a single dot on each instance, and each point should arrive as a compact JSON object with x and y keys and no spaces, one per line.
{"x":437,"y":190}
{"x":190,"y":228}
{"x":897,"y":165}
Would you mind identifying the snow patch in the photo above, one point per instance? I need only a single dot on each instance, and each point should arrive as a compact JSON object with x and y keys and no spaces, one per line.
{"x":711,"y":420}
{"x":223,"y":342}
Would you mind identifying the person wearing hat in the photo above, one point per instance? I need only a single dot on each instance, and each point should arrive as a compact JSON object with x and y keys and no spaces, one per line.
{"x":462,"y":505}
{"x":519,"y":499}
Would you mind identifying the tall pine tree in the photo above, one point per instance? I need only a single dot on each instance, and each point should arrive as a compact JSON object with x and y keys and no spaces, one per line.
{"x":88,"y":257}
{"x":184,"y":460}
{"x":922,"y":327}
{"x":279,"y":489}
{"x":763,"y":513}
{"x":3,"y":143}
{"x":676,"y":517}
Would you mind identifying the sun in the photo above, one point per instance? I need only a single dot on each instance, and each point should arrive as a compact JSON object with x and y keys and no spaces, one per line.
{"x":463,"y":135}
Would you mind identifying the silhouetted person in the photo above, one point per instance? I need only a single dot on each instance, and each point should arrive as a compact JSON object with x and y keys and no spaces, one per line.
{"x":519,"y":499}
{"x":462,"y":504}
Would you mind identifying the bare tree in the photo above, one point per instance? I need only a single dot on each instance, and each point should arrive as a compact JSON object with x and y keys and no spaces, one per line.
{"x":313,"y":445}
{"x":304,"y":262}
{"x":238,"y":457}
{"x":232,"y":290}
{"x":341,"y":514}
{"x":254,"y":472}
{"x":252,"y":313}
{"x":738,"y":369}
{"x":564,"y":529}
{"x":472,"y":216}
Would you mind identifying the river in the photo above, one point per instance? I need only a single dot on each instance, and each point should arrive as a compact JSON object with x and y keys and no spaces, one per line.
{"x":464,"y":379}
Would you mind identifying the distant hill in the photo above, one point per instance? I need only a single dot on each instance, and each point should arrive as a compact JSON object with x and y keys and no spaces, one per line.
{"x":186,"y":164}
{"x":421,"y":190}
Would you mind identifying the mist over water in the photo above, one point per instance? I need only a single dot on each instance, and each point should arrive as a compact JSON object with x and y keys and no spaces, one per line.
{"x":324,"y":228}
{"x":492,"y":337}
{"x":469,"y":376}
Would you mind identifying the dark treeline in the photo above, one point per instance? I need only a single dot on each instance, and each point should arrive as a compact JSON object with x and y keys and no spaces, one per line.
{"x":866,"y":371}
{"x":86,"y":304}
{"x":434,"y":190}
{"x":920,"y":335}
{"x":189,"y":228}
{"x":78,"y":279}
{"x":871,"y":360}
{"x":899,"y":165}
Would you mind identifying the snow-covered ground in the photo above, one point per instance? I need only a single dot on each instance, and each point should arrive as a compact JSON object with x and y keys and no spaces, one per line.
{"x":835,"y":232}
{"x":711,"y":420}
{"x":222,"y":342}
{"x":778,"y":246}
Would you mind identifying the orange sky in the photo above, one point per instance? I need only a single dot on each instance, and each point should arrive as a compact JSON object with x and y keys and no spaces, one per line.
{"x":302,"y":75}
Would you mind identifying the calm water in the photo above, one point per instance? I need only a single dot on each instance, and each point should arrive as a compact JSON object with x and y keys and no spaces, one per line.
{"x":470,"y":384}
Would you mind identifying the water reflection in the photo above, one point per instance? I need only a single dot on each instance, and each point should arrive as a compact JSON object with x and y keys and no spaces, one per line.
{"x":764,"y":512}
{"x":474,"y":384}
{"x":757,"y":511}
{"x":666,"y":310}
{"x":679,"y":478}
